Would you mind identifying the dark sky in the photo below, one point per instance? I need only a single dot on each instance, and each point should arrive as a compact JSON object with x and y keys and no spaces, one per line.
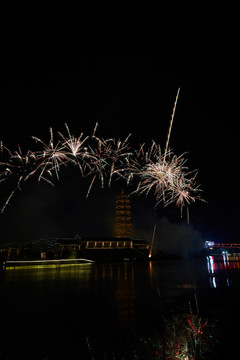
{"x":124,"y":94}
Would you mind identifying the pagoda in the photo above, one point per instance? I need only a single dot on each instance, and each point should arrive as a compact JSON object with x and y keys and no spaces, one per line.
{"x":123,"y":219}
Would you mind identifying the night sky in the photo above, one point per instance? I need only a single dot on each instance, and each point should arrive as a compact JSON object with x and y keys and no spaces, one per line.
{"x":131,"y":94}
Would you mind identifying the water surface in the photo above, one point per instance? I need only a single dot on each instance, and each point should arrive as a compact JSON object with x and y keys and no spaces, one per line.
{"x":114,"y":310}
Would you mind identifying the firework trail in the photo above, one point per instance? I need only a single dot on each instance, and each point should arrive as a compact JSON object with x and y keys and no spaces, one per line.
{"x":171,"y":122}
{"x":165,"y":174}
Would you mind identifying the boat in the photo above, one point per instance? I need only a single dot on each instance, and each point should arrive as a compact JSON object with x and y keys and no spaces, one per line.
{"x":12,"y":264}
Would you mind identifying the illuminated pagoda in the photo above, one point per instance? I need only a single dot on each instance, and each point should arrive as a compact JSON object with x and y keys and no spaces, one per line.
{"x":123,"y":219}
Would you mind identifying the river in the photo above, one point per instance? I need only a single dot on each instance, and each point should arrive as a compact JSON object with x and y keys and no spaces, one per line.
{"x":125,"y":310}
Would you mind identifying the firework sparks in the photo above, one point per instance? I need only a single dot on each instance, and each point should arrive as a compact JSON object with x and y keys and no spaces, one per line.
{"x":165,"y":174}
{"x":169,"y":179}
{"x":75,"y":149}
{"x":17,"y":169}
{"x":107,"y":158}
{"x":52,"y":156}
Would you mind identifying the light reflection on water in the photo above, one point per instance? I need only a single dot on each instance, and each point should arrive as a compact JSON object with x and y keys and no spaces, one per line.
{"x":223,"y":269}
{"x":107,"y":303}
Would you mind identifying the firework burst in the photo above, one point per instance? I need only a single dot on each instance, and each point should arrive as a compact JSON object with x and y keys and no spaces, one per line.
{"x":17,"y":169}
{"x":107,"y":158}
{"x":164,"y":174}
{"x":75,"y":149}
{"x":52,"y":156}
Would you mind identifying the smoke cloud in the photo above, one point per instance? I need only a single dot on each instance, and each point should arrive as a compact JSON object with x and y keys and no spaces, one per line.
{"x":177,"y":239}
